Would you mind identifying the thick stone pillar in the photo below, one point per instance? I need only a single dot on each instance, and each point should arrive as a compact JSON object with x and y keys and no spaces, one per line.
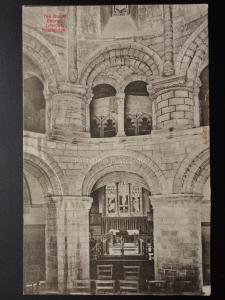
{"x":69,"y":112}
{"x":73,"y":241}
{"x":120,"y":110}
{"x":168,"y":65}
{"x":173,"y":103}
{"x":177,"y":238}
{"x":51,"y":242}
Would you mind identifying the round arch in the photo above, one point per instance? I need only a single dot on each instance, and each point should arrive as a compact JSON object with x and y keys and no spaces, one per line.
{"x":128,"y":161}
{"x":33,"y":74}
{"x":26,"y":190}
{"x":41,"y":52}
{"x":106,"y":80}
{"x":133,"y":55}
{"x":193,"y":173}
{"x":193,"y":52}
{"x":46,"y":170}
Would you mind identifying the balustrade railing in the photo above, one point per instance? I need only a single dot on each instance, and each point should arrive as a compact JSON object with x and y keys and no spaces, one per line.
{"x":125,"y":223}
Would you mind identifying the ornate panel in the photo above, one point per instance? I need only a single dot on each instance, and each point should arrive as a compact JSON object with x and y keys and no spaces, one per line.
{"x":111,"y":199}
{"x":136,"y":200}
{"x":123,"y":199}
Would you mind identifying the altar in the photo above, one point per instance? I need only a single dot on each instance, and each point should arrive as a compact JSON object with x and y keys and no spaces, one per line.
{"x":124,"y":242}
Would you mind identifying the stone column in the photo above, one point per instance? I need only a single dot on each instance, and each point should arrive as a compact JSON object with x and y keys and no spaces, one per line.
{"x":177,"y":238}
{"x":196,"y":102}
{"x":48,"y":113}
{"x":72,"y":44}
{"x":174,"y":105}
{"x":68,"y":111}
{"x":152,"y":99}
{"x":76,"y":232}
{"x":168,"y":66}
{"x":120,"y":111}
{"x":51,"y":243}
{"x":89,"y":97}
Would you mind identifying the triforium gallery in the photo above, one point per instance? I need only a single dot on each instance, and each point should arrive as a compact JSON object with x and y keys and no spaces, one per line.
{"x":116,"y":149}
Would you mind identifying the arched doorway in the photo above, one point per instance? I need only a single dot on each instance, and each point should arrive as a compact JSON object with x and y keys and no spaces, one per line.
{"x":41,"y":183}
{"x":138,"y":109}
{"x":34,"y":230}
{"x":121,"y":225}
{"x":34,"y":105}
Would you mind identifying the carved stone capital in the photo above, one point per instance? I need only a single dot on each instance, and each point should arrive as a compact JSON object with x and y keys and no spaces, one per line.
{"x":89,"y":96}
{"x":67,"y":87}
{"x":73,"y":74}
{"x":82,"y":203}
{"x":160,"y":85}
{"x":47,"y":94}
{"x":120,"y":98}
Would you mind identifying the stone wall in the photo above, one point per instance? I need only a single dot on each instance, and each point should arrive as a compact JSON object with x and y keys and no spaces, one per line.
{"x":177,"y":221}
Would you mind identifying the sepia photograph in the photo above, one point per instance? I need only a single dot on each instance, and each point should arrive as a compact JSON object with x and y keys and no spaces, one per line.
{"x":116,"y":150}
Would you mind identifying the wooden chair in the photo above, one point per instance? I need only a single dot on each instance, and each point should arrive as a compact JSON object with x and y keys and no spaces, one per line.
{"x":105,"y":286}
{"x":81,"y":287}
{"x":128,"y":286}
{"x":131,"y":272}
{"x":156,"y":286}
{"x":104,"y":272}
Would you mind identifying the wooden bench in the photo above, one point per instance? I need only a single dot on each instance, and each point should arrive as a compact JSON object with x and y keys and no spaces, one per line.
{"x":105,"y":286}
{"x":131,"y":272}
{"x":104,"y":272}
{"x":128,"y":286}
{"x":156,"y":286}
{"x":81,"y":287}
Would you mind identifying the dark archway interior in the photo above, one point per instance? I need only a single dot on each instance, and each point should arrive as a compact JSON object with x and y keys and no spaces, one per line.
{"x":103,"y":90}
{"x":34,"y":255}
{"x":204,"y":98}
{"x":138,"y":88}
{"x":121,"y":225}
{"x":103,"y":111}
{"x":34,"y":105}
{"x":138,"y":110}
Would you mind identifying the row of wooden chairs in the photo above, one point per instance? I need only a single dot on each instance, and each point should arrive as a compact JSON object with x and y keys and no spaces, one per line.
{"x":118,"y":286}
{"x":105,"y":272}
{"x":131,"y":286}
{"x":106,"y":287}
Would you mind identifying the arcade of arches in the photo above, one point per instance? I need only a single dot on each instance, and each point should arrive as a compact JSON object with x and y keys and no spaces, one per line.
{"x":116,"y":143}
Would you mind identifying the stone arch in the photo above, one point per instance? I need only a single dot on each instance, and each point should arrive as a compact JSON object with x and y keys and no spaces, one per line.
{"x":203,"y":65}
{"x":200,"y":54}
{"x":33,"y":74}
{"x":46,"y":170}
{"x":129,"y":161}
{"x":193,"y":52}
{"x":42,"y":53}
{"x":106,"y":80}
{"x":193,"y":173}
{"x":26,"y":190}
{"x":134,"y":55}
{"x":131,"y":78}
